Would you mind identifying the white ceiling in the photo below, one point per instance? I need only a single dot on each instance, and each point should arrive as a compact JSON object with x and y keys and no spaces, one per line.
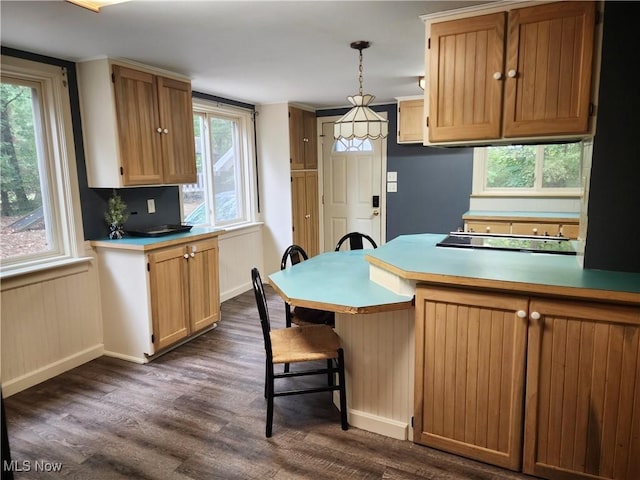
{"x":257,"y":52}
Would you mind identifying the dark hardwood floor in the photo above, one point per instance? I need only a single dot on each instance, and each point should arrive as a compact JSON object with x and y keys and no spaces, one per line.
{"x":198,"y":412}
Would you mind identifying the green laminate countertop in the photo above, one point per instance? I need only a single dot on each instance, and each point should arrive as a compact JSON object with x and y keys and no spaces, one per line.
{"x":338,"y":282}
{"x":153,"y":243}
{"x":417,"y":258}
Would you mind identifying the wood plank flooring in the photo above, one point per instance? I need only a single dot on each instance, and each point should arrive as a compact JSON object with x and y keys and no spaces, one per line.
{"x":198,"y":412}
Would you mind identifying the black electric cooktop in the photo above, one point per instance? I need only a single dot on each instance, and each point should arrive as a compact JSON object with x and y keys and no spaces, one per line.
{"x":524,"y":243}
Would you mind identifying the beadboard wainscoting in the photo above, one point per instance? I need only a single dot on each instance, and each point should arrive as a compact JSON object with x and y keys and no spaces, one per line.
{"x":50,"y":323}
{"x":240,"y":251}
{"x":379,"y":361}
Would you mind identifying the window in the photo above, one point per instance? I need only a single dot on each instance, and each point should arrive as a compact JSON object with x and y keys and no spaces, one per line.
{"x":537,"y":170}
{"x":38,"y":181}
{"x":353,"y":145}
{"x":224,"y":153}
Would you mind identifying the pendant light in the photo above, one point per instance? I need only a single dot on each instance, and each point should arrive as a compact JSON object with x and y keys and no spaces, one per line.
{"x":360,"y":121}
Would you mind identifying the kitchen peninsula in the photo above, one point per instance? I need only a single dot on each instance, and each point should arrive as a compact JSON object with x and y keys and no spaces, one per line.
{"x":523,"y":360}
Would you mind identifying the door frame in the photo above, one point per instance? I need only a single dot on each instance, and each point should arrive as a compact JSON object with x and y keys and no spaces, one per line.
{"x":383,"y":179}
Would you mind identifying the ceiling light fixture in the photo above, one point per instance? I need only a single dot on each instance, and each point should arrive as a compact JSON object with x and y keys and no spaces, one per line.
{"x":95,"y":5}
{"x":360,"y":121}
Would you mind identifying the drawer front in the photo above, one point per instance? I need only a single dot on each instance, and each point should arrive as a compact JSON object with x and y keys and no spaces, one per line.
{"x":488,"y":227}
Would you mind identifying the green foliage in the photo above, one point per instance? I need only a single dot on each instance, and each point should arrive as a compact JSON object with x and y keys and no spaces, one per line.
{"x":115,"y":214}
{"x":512,"y":166}
{"x":19,"y":172}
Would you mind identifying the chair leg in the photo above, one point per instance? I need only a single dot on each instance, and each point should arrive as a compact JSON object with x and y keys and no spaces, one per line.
{"x":343,"y":390}
{"x":266,"y":379}
{"x":270,"y":392}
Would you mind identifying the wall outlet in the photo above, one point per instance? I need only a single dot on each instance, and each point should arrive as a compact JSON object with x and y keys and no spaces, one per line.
{"x":151,"y":206}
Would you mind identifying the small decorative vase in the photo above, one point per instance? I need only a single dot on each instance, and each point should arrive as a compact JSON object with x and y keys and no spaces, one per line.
{"x":115,"y":231}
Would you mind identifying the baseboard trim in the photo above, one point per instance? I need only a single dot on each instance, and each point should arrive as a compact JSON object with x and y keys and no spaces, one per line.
{"x":381,"y":425}
{"x":42,"y":374}
{"x":234,"y":292}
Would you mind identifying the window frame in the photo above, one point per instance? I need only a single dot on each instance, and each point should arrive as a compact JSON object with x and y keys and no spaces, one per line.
{"x":479,"y":188}
{"x":243,"y":118}
{"x":59,"y":181}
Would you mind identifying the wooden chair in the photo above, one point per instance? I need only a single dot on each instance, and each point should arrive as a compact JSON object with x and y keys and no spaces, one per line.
{"x":302,"y":316}
{"x":355,"y":241}
{"x":299,"y":345}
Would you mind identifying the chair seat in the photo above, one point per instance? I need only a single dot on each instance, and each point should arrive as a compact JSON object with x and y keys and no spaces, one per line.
{"x":316,"y":342}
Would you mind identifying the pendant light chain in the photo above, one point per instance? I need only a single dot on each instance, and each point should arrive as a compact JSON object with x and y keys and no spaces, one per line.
{"x":360,"y":70}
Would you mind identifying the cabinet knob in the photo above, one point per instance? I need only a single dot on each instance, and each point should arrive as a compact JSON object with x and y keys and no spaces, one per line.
{"x":186,"y":255}
{"x":166,"y":130}
{"x":497,"y":75}
{"x":159,"y":130}
{"x":192,"y":254}
{"x":521,"y":314}
{"x":535,"y":231}
{"x":488,"y":229}
{"x":534,"y":316}
{"x":308,"y":215}
{"x":512,"y":73}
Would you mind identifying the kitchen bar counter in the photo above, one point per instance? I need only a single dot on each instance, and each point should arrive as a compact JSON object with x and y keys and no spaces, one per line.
{"x":416,"y":258}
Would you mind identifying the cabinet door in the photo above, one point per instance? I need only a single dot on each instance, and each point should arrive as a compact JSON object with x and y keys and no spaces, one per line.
{"x":296,"y":138}
{"x":168,"y":278}
{"x":204,"y":295}
{"x":138,"y":124}
{"x":410,"y":121}
{"x":528,"y":228}
{"x":176,"y":121}
{"x":583,"y":391}
{"x":469,"y":375}
{"x":465,"y":100}
{"x":549,"y":61}
{"x":312,"y":215}
{"x":489,"y":227}
{"x":310,"y":140}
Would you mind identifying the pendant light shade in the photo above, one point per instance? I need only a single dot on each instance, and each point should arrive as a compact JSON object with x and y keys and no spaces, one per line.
{"x":360,"y":121}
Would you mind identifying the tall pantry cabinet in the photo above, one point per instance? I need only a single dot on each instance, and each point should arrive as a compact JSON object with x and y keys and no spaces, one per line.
{"x":304,"y":179}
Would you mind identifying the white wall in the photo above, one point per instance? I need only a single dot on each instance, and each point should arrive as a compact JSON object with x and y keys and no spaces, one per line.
{"x":274,"y":183}
{"x":50,"y":323}
{"x":240,"y":251}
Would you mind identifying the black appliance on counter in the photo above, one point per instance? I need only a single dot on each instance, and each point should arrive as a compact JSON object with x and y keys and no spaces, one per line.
{"x":523,"y":243}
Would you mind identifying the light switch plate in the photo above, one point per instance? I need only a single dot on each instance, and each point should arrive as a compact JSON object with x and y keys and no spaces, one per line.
{"x":392,"y":176}
{"x":392,"y":187}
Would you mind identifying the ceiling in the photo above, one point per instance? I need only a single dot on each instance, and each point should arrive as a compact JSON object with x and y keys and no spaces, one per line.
{"x":257,"y":52}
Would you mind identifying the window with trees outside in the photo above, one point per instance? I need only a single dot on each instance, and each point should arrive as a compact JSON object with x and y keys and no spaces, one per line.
{"x":224,"y":159}
{"x":37,"y":165}
{"x":553,"y":169}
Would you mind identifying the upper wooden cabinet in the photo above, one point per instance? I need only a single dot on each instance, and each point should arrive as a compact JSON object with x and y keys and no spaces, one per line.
{"x":410,"y":119}
{"x":522,"y":73}
{"x":302,"y":139}
{"x":137,"y":125}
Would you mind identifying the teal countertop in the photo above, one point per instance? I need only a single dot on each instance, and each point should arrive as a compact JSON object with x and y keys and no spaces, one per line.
{"x":513,"y":214}
{"x":416,"y":257}
{"x":150,"y":243}
{"x":336,"y":281}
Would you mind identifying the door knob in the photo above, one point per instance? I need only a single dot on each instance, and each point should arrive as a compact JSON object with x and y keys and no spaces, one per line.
{"x":376,"y":213}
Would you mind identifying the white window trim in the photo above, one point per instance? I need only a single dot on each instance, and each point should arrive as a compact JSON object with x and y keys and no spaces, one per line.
{"x":64,"y":196}
{"x":247,"y":152}
{"x":479,"y":182}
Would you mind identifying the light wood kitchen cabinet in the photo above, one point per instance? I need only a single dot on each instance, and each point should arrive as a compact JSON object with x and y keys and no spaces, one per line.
{"x":137,"y":125}
{"x":470,"y":365}
{"x":581,"y":390}
{"x":410,"y":120}
{"x":488,"y":227}
{"x":305,"y":210}
{"x":302,"y":139}
{"x":521,"y":73}
{"x":582,"y":414}
{"x":519,"y":225}
{"x":156,"y":295}
{"x":184,"y":293}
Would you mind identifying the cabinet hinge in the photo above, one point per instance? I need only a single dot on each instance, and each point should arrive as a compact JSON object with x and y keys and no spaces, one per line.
{"x":291,"y":179}
{"x":148,"y":267}
{"x":429,"y":43}
{"x":427,"y":121}
{"x":153,"y":339}
{"x":411,"y":422}
{"x":113,"y":78}
{"x":121,"y":171}
{"x":592,"y":109}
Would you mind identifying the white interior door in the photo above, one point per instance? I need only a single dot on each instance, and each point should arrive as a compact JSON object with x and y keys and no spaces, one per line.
{"x":352,"y":176}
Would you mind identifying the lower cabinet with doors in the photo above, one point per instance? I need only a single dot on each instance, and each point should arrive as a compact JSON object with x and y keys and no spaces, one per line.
{"x":305,"y":210}
{"x":547,"y":386}
{"x":157,"y":295}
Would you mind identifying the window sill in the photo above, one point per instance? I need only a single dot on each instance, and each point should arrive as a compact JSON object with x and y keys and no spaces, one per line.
{"x":21,"y":276}
{"x":526,"y":195}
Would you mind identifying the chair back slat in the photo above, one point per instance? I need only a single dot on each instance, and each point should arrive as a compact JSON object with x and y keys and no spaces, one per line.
{"x":263,"y":309}
{"x":294,"y":254}
{"x":355,"y":241}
